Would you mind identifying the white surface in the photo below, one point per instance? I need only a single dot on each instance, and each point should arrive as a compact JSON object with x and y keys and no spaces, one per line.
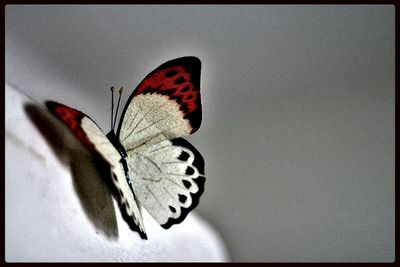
{"x":55,"y":215}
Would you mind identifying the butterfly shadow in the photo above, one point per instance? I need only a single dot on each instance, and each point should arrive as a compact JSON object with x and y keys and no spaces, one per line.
{"x":90,"y":173}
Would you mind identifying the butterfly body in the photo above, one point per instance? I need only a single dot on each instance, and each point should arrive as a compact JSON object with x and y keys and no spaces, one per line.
{"x":150,"y":162}
{"x":121,"y":150}
{"x":117,"y":144}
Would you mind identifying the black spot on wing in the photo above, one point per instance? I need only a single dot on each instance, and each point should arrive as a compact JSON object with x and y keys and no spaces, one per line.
{"x":179,"y":80}
{"x":172,"y":209}
{"x":182,"y":198}
{"x":200,"y":181}
{"x":171,"y":73}
{"x":151,"y":90}
{"x":186,"y":183}
{"x":189,"y":170}
{"x":183,"y":156}
{"x":184,"y":108}
{"x":185,"y":89}
{"x":168,"y":92}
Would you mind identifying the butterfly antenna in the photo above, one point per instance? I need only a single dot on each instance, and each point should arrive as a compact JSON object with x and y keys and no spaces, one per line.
{"x":112,"y":105}
{"x":121,"y":90}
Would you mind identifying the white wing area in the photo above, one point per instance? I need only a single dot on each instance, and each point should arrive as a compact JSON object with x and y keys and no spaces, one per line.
{"x":104,"y":147}
{"x":100,"y":141}
{"x":164,"y":179}
{"x":150,"y":115}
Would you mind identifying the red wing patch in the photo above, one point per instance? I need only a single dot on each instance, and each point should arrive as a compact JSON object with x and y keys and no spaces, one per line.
{"x":72,"y":118}
{"x":180,"y":80}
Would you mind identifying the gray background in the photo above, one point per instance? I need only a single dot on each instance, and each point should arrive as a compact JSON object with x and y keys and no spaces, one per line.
{"x":298,"y":104}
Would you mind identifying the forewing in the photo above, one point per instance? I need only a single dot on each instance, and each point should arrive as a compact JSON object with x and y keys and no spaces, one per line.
{"x":167,"y":102}
{"x":167,"y":178}
{"x":87,"y":131}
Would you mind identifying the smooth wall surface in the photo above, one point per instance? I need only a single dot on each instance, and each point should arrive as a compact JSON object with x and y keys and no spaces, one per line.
{"x":298,"y":110}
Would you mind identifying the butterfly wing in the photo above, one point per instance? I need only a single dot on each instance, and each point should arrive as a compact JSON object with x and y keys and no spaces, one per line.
{"x":168,"y":178}
{"x":166,"y":102}
{"x":87,"y":131}
{"x":165,"y":106}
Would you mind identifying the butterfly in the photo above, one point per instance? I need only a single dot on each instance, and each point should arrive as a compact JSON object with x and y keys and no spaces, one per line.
{"x":151,"y":164}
